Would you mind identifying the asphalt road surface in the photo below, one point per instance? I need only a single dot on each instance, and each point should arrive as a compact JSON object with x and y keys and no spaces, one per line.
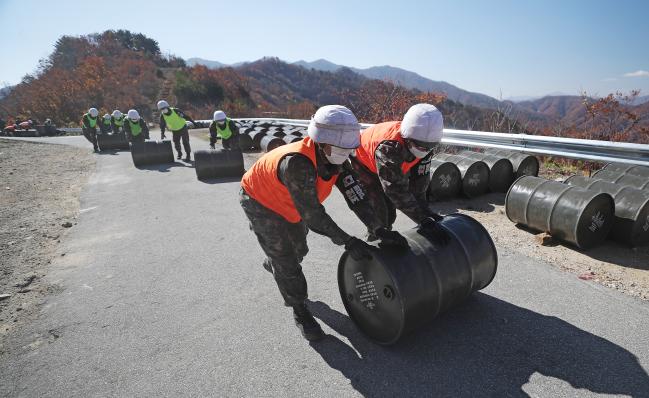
{"x":164,"y":295}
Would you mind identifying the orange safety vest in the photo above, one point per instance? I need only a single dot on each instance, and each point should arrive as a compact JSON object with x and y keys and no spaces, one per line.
{"x":375,"y":135}
{"x":262,"y":182}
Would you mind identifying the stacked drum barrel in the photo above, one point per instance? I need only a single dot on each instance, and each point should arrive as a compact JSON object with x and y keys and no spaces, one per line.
{"x":474,"y":173}
{"x":613,"y":203}
{"x":266,"y":136}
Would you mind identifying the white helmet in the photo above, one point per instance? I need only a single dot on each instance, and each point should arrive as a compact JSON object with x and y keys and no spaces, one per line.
{"x":219,"y":115}
{"x":133,"y":115}
{"x":162,"y":104}
{"x":335,"y":125}
{"x":117,"y":113}
{"x":107,"y":116}
{"x":93,"y":112}
{"x":423,"y":122}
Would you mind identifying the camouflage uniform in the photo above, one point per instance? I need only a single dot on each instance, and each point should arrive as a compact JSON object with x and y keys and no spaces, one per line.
{"x":375,"y":197}
{"x":284,"y":243}
{"x":182,"y":134}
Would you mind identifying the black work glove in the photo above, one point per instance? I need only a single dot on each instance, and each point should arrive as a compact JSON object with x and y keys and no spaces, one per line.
{"x":434,"y":231}
{"x":358,"y":249}
{"x":391,"y":238}
{"x":162,"y":136}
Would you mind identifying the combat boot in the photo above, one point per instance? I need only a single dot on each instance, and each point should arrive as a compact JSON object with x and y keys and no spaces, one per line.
{"x":307,"y":324}
{"x":180,"y":155}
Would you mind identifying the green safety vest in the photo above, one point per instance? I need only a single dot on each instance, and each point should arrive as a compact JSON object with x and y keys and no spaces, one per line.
{"x":136,"y":129}
{"x":173,"y":120}
{"x":106,"y":122}
{"x":119,"y":122}
{"x":226,"y":132}
{"x":93,"y":121}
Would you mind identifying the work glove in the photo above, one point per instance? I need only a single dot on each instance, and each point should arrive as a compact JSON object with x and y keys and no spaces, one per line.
{"x":358,"y":249}
{"x":162,"y":136}
{"x":391,"y":238}
{"x":434,"y":231}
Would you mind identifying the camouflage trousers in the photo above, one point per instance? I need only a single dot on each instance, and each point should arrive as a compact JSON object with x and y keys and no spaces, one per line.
{"x":365,"y":196}
{"x":284,"y":244}
{"x":91,"y":135}
{"x":182,"y":134}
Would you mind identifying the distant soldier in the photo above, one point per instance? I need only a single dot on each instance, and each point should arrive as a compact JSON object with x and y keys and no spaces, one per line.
{"x":226,"y":129}
{"x":106,"y":124}
{"x":117,"y":121}
{"x":392,"y":164}
{"x":135,"y":127}
{"x":89,"y":126}
{"x":175,"y":120}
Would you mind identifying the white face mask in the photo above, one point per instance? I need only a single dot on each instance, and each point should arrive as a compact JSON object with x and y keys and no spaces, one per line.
{"x":417,"y":152}
{"x":338,"y":155}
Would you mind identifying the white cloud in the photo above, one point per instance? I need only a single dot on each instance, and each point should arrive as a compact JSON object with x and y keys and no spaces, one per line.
{"x":638,"y":73}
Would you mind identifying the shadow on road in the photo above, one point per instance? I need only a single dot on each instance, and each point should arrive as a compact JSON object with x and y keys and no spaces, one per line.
{"x":165,"y":167}
{"x":485,"y":204}
{"x":220,"y":180}
{"x":486,"y":347}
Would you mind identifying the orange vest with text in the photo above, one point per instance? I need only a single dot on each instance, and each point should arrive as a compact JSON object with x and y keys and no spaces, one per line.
{"x":372,"y":137}
{"x":262,"y":182}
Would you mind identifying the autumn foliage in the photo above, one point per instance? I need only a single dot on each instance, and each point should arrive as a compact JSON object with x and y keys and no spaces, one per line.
{"x":112,"y":70}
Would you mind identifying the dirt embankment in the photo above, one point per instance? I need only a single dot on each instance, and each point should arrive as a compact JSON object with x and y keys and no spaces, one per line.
{"x":39,"y":202}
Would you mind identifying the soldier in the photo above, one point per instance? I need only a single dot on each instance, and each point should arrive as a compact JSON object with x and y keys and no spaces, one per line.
{"x":117,"y":120}
{"x":282,"y":196}
{"x":89,"y":127}
{"x":392,"y":166}
{"x":225,"y":128}
{"x":106,"y":124}
{"x":175,"y":120}
{"x":135,"y":127}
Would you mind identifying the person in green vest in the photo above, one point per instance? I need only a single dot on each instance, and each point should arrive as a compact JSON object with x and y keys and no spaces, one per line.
{"x":225,"y":128}
{"x":117,"y":120}
{"x":135,"y":127}
{"x":106,"y":125}
{"x":175,"y":120}
{"x":89,"y":126}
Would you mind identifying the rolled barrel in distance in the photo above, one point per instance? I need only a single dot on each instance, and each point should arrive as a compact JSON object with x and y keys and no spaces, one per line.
{"x":397,"y":291}
{"x":217,"y":163}
{"x":151,"y":152}
{"x":574,"y":215}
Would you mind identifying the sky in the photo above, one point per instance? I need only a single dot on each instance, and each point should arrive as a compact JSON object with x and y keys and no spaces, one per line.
{"x":499,"y":48}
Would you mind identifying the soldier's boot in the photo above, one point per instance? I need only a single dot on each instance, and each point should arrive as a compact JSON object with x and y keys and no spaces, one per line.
{"x":307,"y":324}
{"x":180,"y":155}
{"x":188,"y":158}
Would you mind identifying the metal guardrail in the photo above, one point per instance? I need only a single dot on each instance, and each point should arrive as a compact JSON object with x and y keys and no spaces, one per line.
{"x":571,"y":148}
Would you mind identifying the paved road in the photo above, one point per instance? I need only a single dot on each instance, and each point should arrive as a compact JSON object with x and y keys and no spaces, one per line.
{"x":164,"y":295}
